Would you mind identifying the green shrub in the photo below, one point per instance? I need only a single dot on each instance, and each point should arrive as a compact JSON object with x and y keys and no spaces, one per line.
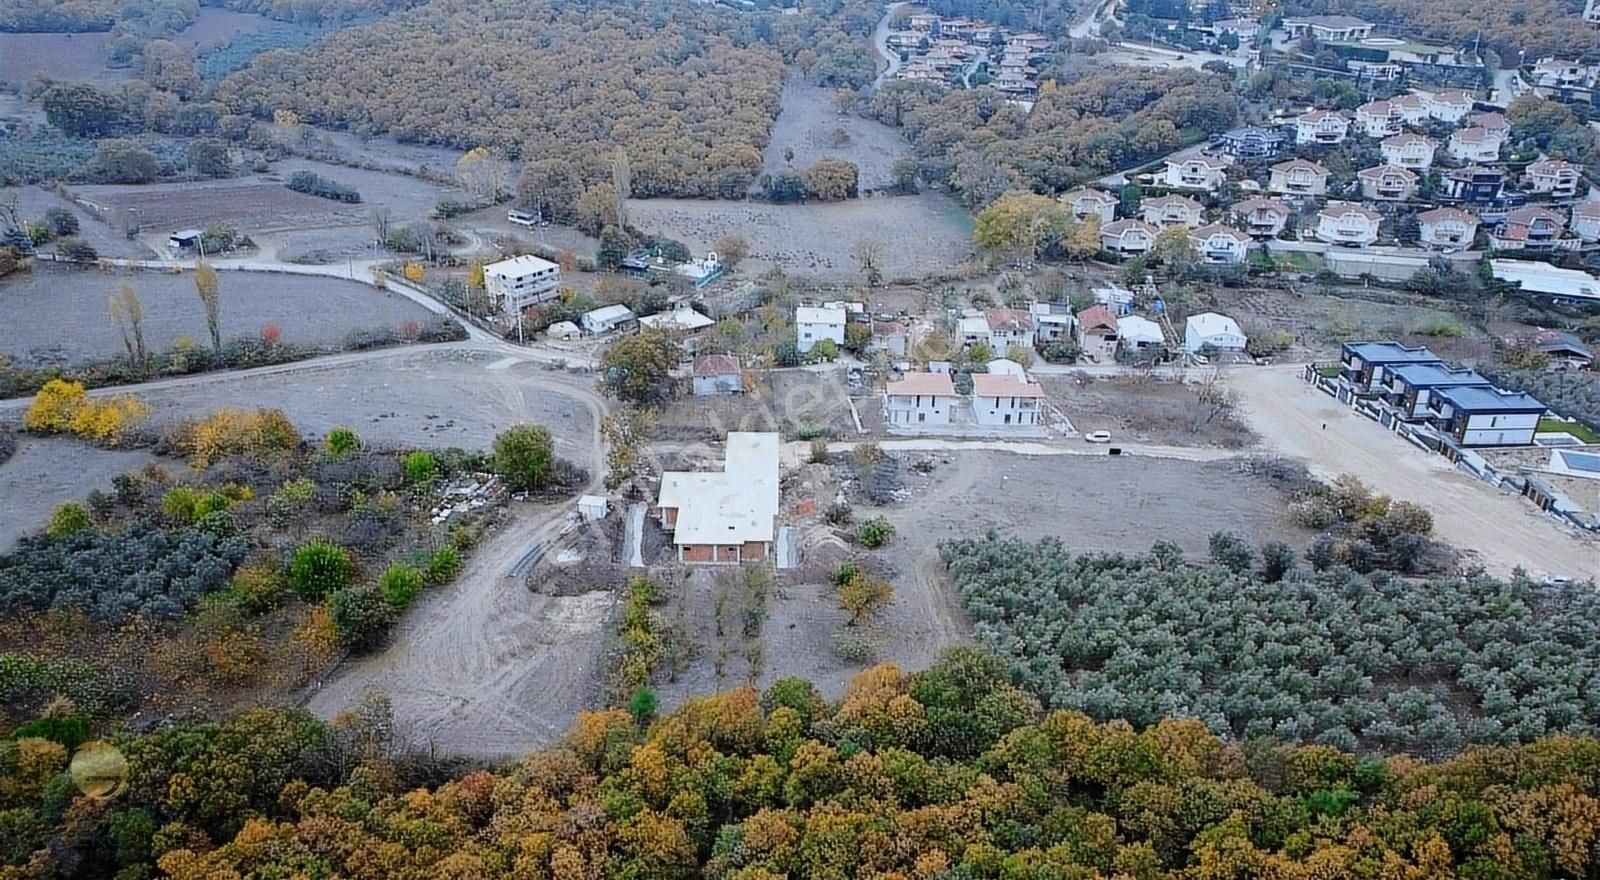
{"x":361,"y":617}
{"x":185,"y":506}
{"x":524,"y":456}
{"x":319,"y":568}
{"x":259,"y":588}
{"x":874,"y":533}
{"x":400,"y":585}
{"x":442,"y":567}
{"x":341,"y":442}
{"x":853,"y":647}
{"x":67,"y":519}
{"x":643,"y":705}
{"x":420,"y":467}
{"x":290,"y":499}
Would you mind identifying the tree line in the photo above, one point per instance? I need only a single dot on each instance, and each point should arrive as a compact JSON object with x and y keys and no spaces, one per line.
{"x":976,"y":142}
{"x":945,"y":773}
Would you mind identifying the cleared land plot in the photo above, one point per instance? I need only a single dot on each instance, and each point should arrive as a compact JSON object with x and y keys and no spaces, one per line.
{"x":485,"y":667}
{"x":921,"y":235}
{"x":46,"y":471}
{"x":1321,"y":323}
{"x":56,"y":56}
{"x":213,"y":27}
{"x":58,"y":315}
{"x":33,"y":201}
{"x":787,"y":401}
{"x":1146,"y":410}
{"x":407,"y":197}
{"x":811,"y":128}
{"x":1503,"y":530}
{"x":248,"y":205}
{"x":402,"y":397}
{"x":1092,"y":503}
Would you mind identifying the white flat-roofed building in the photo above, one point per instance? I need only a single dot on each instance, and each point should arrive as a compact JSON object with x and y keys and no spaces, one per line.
{"x":520,"y":282}
{"x":728,"y":516}
{"x":1586,"y":221}
{"x":1553,"y":177}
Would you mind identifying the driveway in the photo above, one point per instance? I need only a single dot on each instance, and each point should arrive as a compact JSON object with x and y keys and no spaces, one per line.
{"x":1503,"y":531}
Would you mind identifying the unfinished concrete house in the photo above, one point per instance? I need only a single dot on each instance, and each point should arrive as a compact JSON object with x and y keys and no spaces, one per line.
{"x":728,"y":516}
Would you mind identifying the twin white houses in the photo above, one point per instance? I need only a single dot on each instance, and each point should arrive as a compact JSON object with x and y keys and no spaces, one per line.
{"x":998,"y":399}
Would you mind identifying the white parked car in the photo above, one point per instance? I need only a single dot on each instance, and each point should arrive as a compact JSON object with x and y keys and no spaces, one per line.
{"x":1097,"y":437}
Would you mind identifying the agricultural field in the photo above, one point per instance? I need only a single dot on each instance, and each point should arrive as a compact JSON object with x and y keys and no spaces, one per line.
{"x":249,"y":205}
{"x":307,"y":310}
{"x":214,"y":27}
{"x":811,"y":128}
{"x":406,"y":197}
{"x":57,"y":56}
{"x":921,"y":235}
{"x":403,"y":398}
{"x":33,"y":201}
{"x":46,"y":471}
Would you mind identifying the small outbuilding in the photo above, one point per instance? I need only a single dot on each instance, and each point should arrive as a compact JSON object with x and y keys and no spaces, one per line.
{"x":717,"y":374}
{"x":1211,"y":330}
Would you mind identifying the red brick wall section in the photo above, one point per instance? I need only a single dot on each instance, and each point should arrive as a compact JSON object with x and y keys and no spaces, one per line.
{"x":696,"y":552}
{"x":730,"y":553}
{"x":753,"y":551}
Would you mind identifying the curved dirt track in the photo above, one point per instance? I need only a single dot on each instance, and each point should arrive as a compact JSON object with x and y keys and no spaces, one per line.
{"x":484,"y":667}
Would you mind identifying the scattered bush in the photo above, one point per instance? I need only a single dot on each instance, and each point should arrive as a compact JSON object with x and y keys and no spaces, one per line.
{"x":313,"y":184}
{"x":853,"y":647}
{"x":233,"y":432}
{"x":63,"y":407}
{"x":442,"y":567}
{"x":639,"y":630}
{"x":67,"y":519}
{"x":863,"y":595}
{"x":643,"y":705}
{"x":319,"y":568}
{"x":420,"y":467}
{"x":259,"y":588}
{"x":524,"y":457}
{"x":341,"y":442}
{"x":8,"y":444}
{"x":874,"y":533}
{"x":362,"y":617}
{"x":400,"y":585}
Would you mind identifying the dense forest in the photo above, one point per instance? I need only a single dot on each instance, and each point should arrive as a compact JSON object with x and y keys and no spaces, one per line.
{"x":983,"y":146}
{"x":688,"y":92}
{"x":1258,"y":647}
{"x":947,"y":773}
{"x":170,"y":16}
{"x":1539,"y":27}
{"x":1052,"y":17}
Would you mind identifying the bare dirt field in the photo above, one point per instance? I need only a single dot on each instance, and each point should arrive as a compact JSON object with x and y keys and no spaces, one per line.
{"x":1501,"y":530}
{"x":809,"y":128}
{"x":46,"y":471}
{"x":57,"y":56}
{"x":33,"y":201}
{"x":406,"y":197}
{"x":58,"y":315}
{"x":1146,"y":409}
{"x":921,"y":235}
{"x":249,"y":205}
{"x":404,"y":397}
{"x":787,"y":401}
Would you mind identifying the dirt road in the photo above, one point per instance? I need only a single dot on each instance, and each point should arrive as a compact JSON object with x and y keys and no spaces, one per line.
{"x":1503,"y":531}
{"x":484,"y":667}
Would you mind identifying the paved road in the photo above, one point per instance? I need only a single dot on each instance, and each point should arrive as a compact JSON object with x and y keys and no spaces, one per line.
{"x":1503,"y":530}
{"x":880,"y":41}
{"x":1089,"y":26}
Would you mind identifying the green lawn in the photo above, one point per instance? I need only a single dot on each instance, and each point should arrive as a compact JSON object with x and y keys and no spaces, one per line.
{"x":1580,"y":431}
